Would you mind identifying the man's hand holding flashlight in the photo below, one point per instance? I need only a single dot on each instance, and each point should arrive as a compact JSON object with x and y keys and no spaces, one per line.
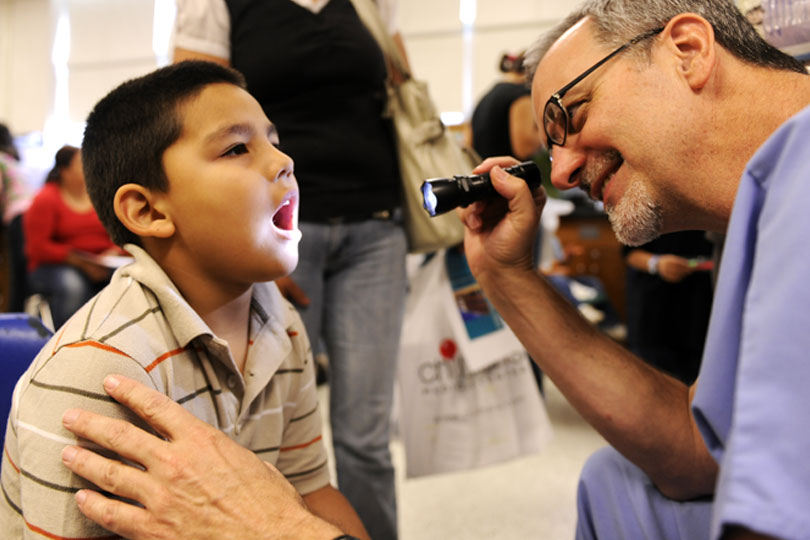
{"x":501,"y":232}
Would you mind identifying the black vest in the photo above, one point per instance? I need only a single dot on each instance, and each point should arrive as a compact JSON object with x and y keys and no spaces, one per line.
{"x":320,"y":79}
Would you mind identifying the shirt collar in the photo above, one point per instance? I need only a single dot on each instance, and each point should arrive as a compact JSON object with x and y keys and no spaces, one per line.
{"x":267,"y":303}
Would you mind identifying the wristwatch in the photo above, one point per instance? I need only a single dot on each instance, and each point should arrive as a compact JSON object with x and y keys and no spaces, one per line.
{"x":652,"y":264}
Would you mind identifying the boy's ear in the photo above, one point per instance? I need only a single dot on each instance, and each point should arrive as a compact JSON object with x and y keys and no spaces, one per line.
{"x":140,"y":210}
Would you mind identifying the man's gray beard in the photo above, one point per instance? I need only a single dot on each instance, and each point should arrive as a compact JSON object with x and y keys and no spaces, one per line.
{"x":636,"y":219}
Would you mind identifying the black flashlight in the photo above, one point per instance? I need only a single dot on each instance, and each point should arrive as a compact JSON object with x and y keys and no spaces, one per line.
{"x":443,"y":194}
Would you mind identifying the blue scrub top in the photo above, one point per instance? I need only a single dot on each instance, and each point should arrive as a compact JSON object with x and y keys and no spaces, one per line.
{"x":753,"y":398}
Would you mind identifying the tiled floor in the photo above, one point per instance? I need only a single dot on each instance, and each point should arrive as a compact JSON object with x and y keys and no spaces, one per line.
{"x":528,"y":498}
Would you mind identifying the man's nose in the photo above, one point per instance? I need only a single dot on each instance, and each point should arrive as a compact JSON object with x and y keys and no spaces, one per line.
{"x":566,"y":166}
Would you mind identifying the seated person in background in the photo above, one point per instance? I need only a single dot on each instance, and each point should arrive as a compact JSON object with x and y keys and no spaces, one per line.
{"x":183,"y":168}
{"x":503,"y":123}
{"x":60,"y":229}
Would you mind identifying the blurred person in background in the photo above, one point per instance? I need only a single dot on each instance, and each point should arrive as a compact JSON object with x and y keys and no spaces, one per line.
{"x":503,"y":123}
{"x":15,"y":198}
{"x":62,"y":233}
{"x":668,"y":290}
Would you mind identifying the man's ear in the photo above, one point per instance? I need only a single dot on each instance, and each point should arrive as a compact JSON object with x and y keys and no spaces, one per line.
{"x":691,"y":39}
{"x":141,"y":211}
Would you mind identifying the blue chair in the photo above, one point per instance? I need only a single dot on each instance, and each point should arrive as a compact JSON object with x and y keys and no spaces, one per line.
{"x":21,"y":338}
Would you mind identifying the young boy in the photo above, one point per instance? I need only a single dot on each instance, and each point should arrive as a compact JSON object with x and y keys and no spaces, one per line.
{"x":184,"y":171}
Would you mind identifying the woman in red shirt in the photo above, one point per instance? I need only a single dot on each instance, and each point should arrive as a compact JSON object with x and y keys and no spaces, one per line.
{"x":62,"y":234}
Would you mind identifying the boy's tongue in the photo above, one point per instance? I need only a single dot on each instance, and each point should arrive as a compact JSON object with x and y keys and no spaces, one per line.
{"x":283,"y":218}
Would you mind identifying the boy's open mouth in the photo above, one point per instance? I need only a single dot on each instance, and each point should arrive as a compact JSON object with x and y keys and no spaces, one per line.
{"x":284,"y":218}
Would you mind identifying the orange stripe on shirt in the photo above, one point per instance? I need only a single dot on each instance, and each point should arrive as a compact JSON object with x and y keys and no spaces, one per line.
{"x":163,"y":357}
{"x":47,"y":534}
{"x":97,"y":345}
{"x":9,"y":459}
{"x":58,"y":339}
{"x":299,"y":446}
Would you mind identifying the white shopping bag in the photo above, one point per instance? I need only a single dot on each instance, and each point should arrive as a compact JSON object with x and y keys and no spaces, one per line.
{"x":479,"y":331}
{"x":451,"y":417}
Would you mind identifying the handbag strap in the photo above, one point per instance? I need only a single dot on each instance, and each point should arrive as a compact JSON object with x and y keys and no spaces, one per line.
{"x":370,"y":15}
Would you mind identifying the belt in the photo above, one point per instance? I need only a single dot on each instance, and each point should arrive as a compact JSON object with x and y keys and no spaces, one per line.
{"x":380,"y":215}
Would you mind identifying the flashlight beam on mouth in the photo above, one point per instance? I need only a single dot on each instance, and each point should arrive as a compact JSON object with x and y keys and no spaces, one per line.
{"x":284,"y":218}
{"x":284,"y":221}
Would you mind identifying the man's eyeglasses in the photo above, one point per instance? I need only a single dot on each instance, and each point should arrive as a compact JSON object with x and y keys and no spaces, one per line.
{"x":555,"y":115}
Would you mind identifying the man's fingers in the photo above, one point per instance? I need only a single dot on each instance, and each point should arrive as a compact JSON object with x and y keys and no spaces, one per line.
{"x":507,"y":185}
{"x":108,"y":474}
{"x":158,"y":410}
{"x":470,"y":216}
{"x":118,"y":517}
{"x":501,"y":161}
{"x":120,"y":436}
{"x":540,"y":197}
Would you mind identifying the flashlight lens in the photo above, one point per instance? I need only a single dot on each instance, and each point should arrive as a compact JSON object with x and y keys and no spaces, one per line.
{"x":429,"y":198}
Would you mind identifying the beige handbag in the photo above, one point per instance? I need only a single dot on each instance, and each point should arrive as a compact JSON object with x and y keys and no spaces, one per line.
{"x":425,"y":148}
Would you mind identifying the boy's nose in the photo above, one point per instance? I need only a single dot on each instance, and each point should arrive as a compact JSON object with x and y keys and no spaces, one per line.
{"x":280,"y":166}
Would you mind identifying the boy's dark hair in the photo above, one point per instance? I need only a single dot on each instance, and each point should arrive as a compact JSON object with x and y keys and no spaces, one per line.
{"x":128,"y":131}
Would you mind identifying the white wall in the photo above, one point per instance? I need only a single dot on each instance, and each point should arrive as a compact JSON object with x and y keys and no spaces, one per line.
{"x":26,"y":82}
{"x":435,"y":43}
{"x":111,"y":40}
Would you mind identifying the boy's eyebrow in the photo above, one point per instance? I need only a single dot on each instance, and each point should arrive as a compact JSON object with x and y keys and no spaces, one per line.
{"x":272,"y":131}
{"x":245,"y":130}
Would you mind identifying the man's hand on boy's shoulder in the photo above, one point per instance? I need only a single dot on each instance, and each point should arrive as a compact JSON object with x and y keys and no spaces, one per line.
{"x":292,"y":292}
{"x":198,"y":484}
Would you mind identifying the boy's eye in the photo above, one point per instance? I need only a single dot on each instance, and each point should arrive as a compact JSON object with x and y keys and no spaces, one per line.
{"x":236,"y":150}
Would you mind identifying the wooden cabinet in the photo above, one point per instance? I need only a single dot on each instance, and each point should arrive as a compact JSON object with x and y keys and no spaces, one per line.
{"x":591,"y":249}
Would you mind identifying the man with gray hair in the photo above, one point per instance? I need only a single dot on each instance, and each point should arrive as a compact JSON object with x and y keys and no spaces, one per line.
{"x":673,"y":114}
{"x":676,"y":115}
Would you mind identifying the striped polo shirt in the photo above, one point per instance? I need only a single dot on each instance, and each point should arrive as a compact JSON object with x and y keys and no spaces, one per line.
{"x":141,"y":327}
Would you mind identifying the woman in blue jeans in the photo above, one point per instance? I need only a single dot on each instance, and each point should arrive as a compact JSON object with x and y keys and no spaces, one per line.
{"x":62,"y":236}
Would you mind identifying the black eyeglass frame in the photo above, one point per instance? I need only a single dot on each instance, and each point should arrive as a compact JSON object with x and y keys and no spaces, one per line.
{"x":556,"y":99}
